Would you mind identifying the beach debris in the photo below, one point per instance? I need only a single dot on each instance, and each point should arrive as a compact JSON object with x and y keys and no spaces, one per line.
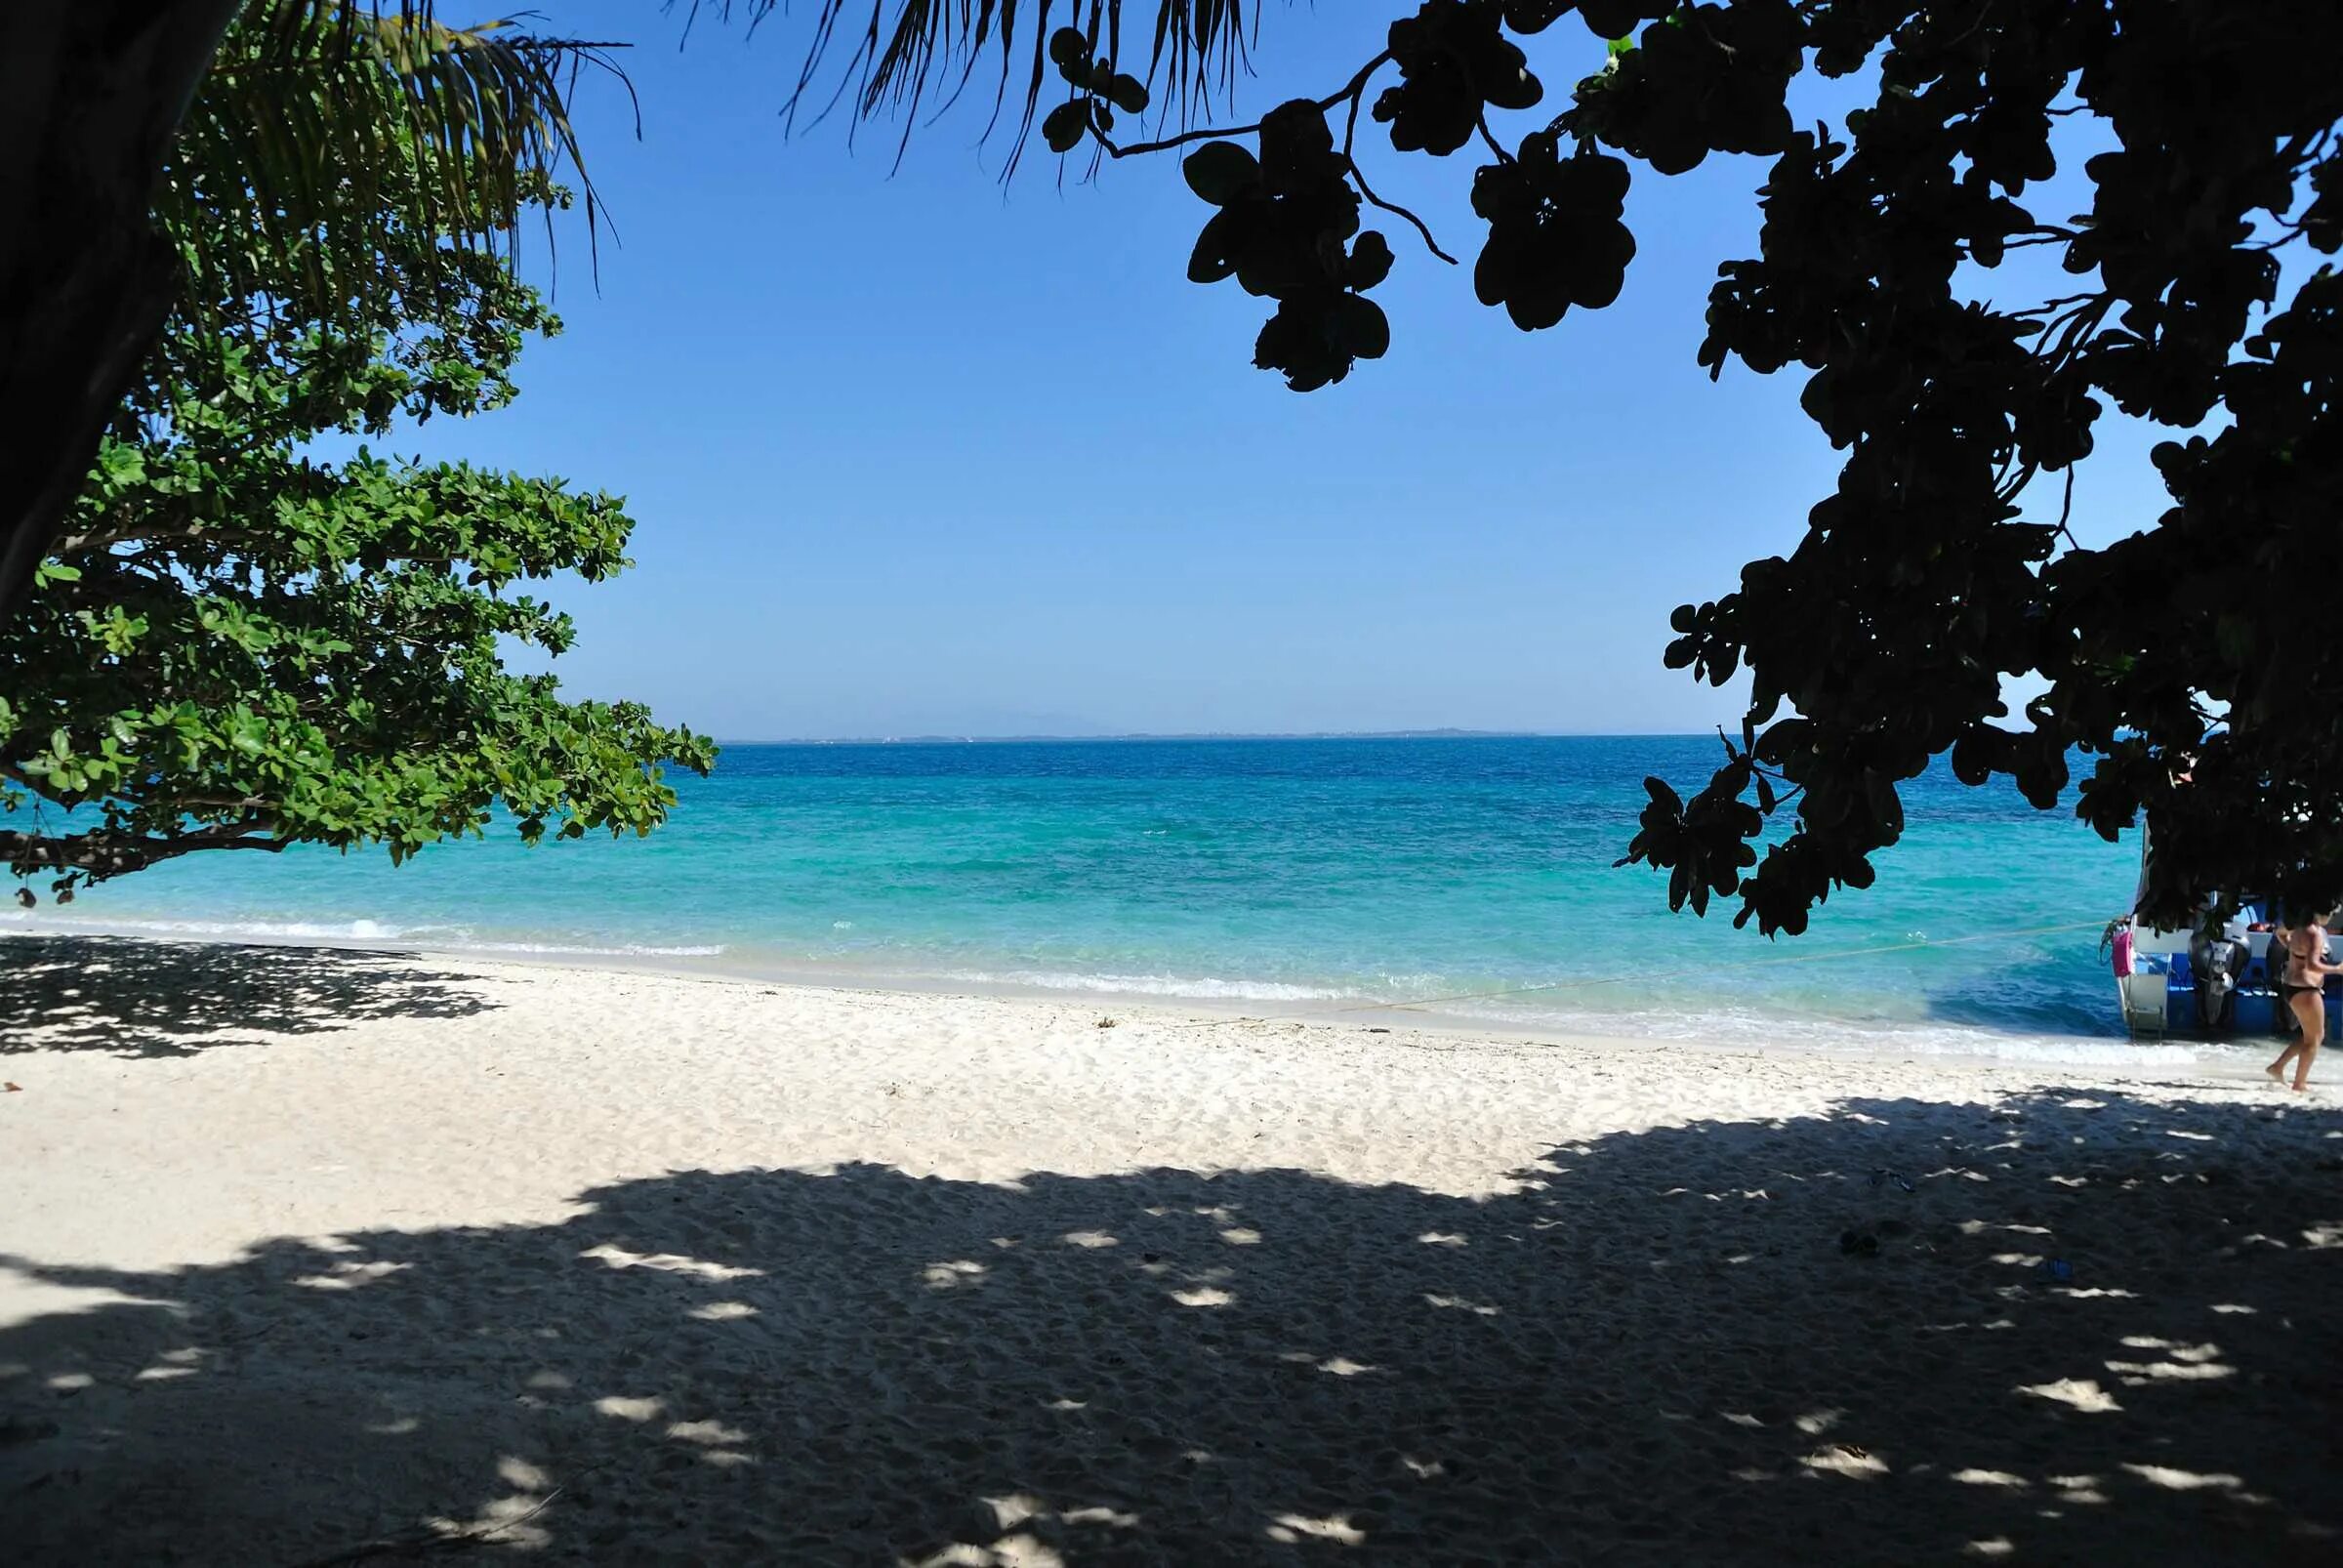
{"x":1859,"y":1244}
{"x":12,"y":1089}
{"x":2058,"y":1270}
{"x":1106,"y":1023}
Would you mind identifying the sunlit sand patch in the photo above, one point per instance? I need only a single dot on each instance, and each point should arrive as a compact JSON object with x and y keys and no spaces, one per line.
{"x":1845,"y":1458}
{"x":1112,"y":1517}
{"x":2136,"y":1373}
{"x":516,"y":1472}
{"x":348,"y":1276}
{"x":1294,"y":1527}
{"x":508,"y":1521}
{"x":952,"y":1275}
{"x":667,"y":1263}
{"x":1975,"y":1477}
{"x":1203,"y":1295}
{"x":711,"y":1432}
{"x":1016,"y":1508}
{"x":2082,"y":1393}
{"x":2179,"y":1480}
{"x":626,"y":1409}
{"x":721,"y":1311}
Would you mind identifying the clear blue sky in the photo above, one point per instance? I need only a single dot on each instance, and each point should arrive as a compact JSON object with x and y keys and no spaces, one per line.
{"x":911,"y":453}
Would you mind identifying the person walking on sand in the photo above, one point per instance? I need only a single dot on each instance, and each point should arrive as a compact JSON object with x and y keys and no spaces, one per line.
{"x":2303,"y":986}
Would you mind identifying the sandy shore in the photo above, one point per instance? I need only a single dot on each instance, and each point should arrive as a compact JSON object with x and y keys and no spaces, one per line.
{"x":311,"y":1254}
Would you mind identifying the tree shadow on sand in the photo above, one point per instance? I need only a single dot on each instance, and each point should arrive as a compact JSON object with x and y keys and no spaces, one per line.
{"x":174,"y":999}
{"x":1654,"y":1349}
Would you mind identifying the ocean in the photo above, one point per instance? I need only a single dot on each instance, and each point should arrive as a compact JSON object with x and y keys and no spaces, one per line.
{"x":1276,"y":876}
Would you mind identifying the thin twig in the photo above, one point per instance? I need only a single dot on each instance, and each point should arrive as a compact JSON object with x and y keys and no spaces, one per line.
{"x":1350,"y":130}
{"x":1481,"y":122}
{"x":1350,"y":90}
{"x":420,"y":1542}
{"x":2065,"y":508}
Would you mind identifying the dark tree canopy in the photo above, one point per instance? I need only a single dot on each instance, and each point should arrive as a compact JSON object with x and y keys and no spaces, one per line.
{"x":2190,"y":664}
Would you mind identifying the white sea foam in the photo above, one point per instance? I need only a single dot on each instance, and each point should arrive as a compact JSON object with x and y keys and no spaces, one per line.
{"x":347,"y":931}
{"x":352,"y":933}
{"x":1204,"y":989}
{"x":1754,"y":1029}
{"x":622,"y":950}
{"x":1737,"y":1026}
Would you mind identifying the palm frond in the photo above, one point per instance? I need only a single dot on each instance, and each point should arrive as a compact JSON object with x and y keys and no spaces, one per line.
{"x":900,"y":55}
{"x":325,"y":122}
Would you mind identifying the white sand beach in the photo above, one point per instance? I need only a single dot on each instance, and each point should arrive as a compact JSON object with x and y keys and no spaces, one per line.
{"x":321,"y":1256}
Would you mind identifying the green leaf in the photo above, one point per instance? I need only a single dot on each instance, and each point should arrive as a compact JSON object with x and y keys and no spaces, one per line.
{"x":1127,"y":94}
{"x":1064,"y":126}
{"x":1221,"y":172}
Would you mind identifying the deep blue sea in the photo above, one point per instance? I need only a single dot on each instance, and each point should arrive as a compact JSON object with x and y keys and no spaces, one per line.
{"x":1275,"y":874}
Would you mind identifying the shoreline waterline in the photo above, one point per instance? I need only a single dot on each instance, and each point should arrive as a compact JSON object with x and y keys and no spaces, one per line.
{"x":1274,"y":875}
{"x":1952,"y":1046}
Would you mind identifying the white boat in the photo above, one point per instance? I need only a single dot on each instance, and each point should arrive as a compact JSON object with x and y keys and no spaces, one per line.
{"x":2193,"y":982}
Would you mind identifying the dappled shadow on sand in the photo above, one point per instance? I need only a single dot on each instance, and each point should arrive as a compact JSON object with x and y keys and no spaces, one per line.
{"x":174,"y":999}
{"x":1654,"y":1349}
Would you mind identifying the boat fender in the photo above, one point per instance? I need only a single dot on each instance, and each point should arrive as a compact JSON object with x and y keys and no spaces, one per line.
{"x":2121,"y":945}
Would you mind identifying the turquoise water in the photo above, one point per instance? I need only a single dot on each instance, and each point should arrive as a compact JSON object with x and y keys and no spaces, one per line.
{"x":1283,"y":874}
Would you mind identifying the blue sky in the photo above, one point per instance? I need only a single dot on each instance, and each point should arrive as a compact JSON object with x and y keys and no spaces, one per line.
{"x":914,"y":453}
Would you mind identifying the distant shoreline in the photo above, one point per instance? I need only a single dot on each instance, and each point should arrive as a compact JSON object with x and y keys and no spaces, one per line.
{"x":1141,"y":737}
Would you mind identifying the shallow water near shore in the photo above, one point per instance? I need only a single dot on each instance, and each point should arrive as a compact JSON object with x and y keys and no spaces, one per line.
{"x":1302,"y":876}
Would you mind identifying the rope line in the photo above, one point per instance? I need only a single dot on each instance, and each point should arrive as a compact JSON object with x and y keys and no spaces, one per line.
{"x":1588,"y":982}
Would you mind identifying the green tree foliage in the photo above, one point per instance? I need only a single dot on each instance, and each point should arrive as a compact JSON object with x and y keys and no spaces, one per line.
{"x":241,"y":643}
{"x":315,"y":123}
{"x":2192,"y":663}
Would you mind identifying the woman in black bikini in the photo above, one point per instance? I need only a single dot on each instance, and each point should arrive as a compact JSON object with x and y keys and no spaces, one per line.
{"x":2303,"y":986}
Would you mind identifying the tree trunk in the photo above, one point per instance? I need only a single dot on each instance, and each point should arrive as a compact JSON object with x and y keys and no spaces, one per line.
{"x":90,"y":94}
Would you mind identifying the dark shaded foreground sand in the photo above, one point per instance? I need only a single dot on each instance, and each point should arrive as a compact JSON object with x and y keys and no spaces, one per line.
{"x":1643,"y":1345}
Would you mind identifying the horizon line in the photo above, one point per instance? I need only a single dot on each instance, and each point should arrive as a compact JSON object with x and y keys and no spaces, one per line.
{"x":941,"y":738}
